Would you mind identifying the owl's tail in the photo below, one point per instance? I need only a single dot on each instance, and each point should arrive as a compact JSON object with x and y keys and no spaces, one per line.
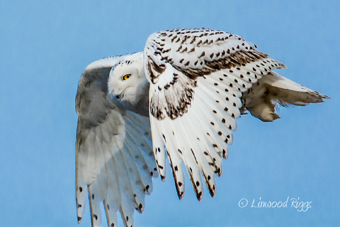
{"x":261,"y":99}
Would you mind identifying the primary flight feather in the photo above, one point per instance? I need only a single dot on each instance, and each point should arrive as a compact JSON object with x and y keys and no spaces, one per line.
{"x":178,"y":99}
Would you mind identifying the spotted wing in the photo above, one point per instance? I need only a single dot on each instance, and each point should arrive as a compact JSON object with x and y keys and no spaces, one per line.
{"x":114,"y":160}
{"x":197,"y":78}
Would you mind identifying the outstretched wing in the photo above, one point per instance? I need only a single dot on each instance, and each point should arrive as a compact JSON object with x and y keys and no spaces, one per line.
{"x":197,"y":78}
{"x":114,"y":160}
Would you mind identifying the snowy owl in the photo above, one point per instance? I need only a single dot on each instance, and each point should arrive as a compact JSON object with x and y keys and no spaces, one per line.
{"x":180,"y":99}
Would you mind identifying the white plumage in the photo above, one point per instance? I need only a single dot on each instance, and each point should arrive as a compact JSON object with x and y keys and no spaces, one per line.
{"x":192,"y":84}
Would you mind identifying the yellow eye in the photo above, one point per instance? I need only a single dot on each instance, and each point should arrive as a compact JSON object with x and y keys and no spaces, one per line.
{"x":127,"y":76}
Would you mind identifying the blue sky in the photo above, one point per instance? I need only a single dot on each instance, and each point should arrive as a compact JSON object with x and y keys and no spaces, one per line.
{"x":44,"y":47}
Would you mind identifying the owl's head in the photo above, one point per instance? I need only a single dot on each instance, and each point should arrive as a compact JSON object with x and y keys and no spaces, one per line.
{"x":127,"y":83}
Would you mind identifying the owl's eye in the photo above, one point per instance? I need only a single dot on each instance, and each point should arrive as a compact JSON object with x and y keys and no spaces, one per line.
{"x":125,"y":77}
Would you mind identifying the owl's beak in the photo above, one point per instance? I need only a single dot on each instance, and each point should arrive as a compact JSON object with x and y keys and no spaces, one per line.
{"x":120,"y":96}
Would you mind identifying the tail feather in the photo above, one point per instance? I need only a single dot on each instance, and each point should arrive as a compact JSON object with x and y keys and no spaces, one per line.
{"x":262,"y":98}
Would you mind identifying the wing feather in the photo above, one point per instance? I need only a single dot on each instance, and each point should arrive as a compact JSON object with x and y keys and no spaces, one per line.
{"x":199,"y":148}
{"x":159,"y":151}
{"x":189,"y":150}
{"x":174,"y":150}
